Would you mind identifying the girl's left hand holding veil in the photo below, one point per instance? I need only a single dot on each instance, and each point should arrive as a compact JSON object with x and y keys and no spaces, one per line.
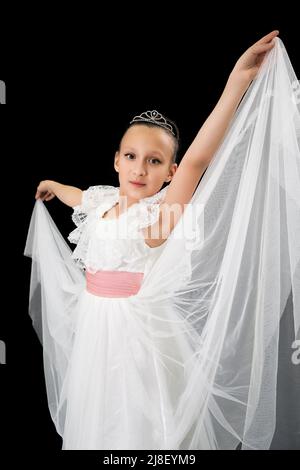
{"x":247,"y":66}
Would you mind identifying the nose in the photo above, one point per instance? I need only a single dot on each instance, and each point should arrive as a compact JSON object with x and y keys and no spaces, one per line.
{"x":139,"y":169}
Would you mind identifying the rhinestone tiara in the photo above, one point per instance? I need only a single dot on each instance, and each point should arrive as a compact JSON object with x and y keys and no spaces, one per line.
{"x":154,"y":117}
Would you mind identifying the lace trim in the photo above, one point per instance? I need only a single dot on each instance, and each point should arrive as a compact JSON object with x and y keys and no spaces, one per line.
{"x":149,"y":209}
{"x":91,"y":199}
{"x":94,"y":196}
{"x":78,"y":216}
{"x":107,"y":196}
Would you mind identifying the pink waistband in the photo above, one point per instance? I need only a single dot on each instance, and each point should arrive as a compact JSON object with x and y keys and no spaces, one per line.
{"x":113,"y":283}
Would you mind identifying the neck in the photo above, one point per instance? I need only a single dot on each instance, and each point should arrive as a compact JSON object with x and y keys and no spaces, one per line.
{"x":125,"y":202}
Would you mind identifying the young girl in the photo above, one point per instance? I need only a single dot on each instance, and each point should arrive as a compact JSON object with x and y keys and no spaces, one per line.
{"x":139,"y":341}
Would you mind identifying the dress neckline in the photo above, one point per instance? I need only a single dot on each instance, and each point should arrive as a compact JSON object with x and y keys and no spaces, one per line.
{"x":120,"y":215}
{"x":115,"y":200}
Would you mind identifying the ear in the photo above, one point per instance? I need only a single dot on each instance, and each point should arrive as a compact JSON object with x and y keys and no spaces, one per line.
{"x":172,"y":172}
{"x":116,"y":164}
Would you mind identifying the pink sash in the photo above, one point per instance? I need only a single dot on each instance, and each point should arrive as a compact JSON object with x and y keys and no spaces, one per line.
{"x":113,"y":283}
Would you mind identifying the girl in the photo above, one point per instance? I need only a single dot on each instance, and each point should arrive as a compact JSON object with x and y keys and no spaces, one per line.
{"x":142,"y":326}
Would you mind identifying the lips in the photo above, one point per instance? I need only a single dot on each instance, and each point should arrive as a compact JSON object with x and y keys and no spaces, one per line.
{"x":137,"y":183}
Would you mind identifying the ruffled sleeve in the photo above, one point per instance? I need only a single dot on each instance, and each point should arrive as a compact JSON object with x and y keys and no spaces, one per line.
{"x":94,"y":195}
{"x":92,"y":198}
{"x":149,"y":209}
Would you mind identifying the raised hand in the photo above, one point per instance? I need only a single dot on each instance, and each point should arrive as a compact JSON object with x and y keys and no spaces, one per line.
{"x":247,"y":66}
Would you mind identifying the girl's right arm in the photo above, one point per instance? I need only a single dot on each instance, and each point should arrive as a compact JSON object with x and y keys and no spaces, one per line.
{"x":69,"y":195}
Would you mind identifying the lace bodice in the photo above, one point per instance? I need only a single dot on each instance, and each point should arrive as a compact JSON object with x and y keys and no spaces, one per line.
{"x":113,"y":244}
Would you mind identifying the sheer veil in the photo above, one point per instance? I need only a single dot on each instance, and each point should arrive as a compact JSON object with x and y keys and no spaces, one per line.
{"x":239,"y":273}
{"x":232,"y":290}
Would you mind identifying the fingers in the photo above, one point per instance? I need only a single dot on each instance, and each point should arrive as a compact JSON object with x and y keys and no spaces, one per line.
{"x":268,"y":37}
{"x":43,"y":195}
{"x":260,"y":48}
{"x":38,"y":193}
{"x":48,"y":198}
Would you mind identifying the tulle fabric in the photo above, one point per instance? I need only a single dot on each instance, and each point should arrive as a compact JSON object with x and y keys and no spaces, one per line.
{"x":206,"y":326}
{"x":123,"y":382}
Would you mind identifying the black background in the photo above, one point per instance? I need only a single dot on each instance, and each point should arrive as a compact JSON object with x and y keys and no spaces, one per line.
{"x":74,"y":80}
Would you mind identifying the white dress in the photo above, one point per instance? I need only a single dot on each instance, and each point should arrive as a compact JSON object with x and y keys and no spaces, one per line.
{"x":121,"y":392}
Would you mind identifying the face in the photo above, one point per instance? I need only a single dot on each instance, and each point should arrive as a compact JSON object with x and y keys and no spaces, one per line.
{"x":145,"y":156}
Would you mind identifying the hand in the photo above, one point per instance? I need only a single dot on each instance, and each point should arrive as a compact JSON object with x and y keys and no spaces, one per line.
{"x":44,"y":191}
{"x":247,"y":66}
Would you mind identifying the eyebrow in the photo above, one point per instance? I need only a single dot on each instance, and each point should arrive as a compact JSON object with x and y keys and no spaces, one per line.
{"x":154,"y":152}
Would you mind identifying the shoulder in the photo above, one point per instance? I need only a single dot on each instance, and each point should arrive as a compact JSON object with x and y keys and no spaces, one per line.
{"x":105,"y":190}
{"x":95,"y":195}
{"x":92,"y":198}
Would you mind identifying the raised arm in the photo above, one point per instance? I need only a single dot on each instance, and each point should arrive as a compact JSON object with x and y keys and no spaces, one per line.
{"x":69,"y":195}
{"x":210,"y":136}
{"x":213,"y":130}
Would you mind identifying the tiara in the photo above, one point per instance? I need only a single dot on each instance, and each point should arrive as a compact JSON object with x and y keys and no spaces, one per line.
{"x":154,"y":117}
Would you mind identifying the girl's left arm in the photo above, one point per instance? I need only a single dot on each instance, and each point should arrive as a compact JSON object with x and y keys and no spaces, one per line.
{"x":199,"y":154}
{"x":213,"y":130}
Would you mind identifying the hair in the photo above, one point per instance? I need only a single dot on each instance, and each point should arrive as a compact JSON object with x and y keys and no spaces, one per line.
{"x":175,"y":138}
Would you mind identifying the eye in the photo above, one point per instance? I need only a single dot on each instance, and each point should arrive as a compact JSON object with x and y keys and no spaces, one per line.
{"x":153,"y":159}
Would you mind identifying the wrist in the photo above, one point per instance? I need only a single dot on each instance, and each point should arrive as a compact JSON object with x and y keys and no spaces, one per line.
{"x":238,"y":82}
{"x":51,"y":185}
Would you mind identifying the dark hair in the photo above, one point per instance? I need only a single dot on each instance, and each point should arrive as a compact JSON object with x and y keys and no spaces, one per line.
{"x":175,"y":137}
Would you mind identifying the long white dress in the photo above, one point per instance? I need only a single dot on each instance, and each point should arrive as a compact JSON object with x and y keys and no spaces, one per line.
{"x":204,"y":355}
{"x":121,"y":381}
{"x":121,"y":392}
